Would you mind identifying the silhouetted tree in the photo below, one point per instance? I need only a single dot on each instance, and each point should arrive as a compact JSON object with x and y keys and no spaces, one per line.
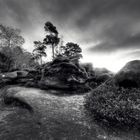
{"x":39,"y":50}
{"x":72,"y":51}
{"x":51,"y":37}
{"x":10,"y":37}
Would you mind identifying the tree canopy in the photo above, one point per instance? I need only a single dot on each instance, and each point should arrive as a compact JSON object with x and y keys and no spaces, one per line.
{"x":51,"y":37}
{"x":71,"y":50}
{"x":10,"y":36}
{"x":49,"y":27}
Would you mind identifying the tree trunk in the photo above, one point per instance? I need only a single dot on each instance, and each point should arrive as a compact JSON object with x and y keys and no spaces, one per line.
{"x":41,"y":60}
{"x":9,"y":43}
{"x":53,"y":51}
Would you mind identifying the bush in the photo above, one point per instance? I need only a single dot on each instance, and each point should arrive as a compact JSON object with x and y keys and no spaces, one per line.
{"x":118,"y":106}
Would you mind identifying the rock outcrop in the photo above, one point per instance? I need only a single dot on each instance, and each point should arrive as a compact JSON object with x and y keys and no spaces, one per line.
{"x":129,"y":75}
{"x":63,"y":74}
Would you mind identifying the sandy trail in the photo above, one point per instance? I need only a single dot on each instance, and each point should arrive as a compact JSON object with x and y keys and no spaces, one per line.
{"x":54,"y":118}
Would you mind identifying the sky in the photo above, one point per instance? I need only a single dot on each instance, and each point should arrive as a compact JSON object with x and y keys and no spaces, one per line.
{"x":108,"y":31}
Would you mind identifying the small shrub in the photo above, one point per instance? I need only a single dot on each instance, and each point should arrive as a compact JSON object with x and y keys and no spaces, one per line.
{"x":119,"y":106}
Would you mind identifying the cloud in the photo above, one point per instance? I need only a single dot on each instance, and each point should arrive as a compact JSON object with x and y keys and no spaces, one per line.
{"x":117,"y":42}
{"x":99,"y":26}
{"x":115,"y":25}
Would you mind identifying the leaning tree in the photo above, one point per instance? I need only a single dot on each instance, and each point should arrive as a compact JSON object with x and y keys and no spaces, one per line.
{"x":51,"y":37}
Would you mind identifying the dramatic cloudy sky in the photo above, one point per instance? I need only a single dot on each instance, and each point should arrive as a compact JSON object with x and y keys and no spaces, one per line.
{"x":107,"y":30}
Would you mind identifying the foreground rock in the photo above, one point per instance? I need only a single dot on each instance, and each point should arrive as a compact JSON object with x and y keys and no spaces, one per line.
{"x":129,"y":75}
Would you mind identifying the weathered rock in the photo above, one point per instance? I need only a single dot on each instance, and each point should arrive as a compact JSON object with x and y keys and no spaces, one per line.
{"x":129,"y":75}
{"x":62,"y":74}
{"x":11,"y":97}
{"x":22,"y":74}
{"x":53,"y":83}
{"x":14,"y":74}
{"x":9,"y":75}
{"x":63,"y":69}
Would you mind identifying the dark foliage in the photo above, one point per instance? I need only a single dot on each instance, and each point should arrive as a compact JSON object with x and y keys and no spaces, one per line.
{"x":51,"y":37}
{"x":49,"y":27}
{"x":71,"y":49}
{"x":5,"y":62}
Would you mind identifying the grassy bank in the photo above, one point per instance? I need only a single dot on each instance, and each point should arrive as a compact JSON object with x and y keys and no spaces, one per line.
{"x":118,"y":106}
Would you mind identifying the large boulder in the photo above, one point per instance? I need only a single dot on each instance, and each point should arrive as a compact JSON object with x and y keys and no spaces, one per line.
{"x":63,"y":74}
{"x":8,"y":78}
{"x":129,"y":75}
{"x":9,"y":75}
{"x":16,"y":77}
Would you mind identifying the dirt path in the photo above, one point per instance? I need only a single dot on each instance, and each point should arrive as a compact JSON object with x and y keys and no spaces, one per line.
{"x":53,"y":118}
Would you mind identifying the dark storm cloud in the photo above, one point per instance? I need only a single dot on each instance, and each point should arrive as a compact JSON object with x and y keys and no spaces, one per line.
{"x":61,"y":9}
{"x":117,"y":25}
{"x":114,"y":24}
{"x":121,"y":40}
{"x":109,"y":8}
{"x":18,"y":10}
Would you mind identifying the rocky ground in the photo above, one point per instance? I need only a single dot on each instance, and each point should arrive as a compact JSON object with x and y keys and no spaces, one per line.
{"x":50,"y":117}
